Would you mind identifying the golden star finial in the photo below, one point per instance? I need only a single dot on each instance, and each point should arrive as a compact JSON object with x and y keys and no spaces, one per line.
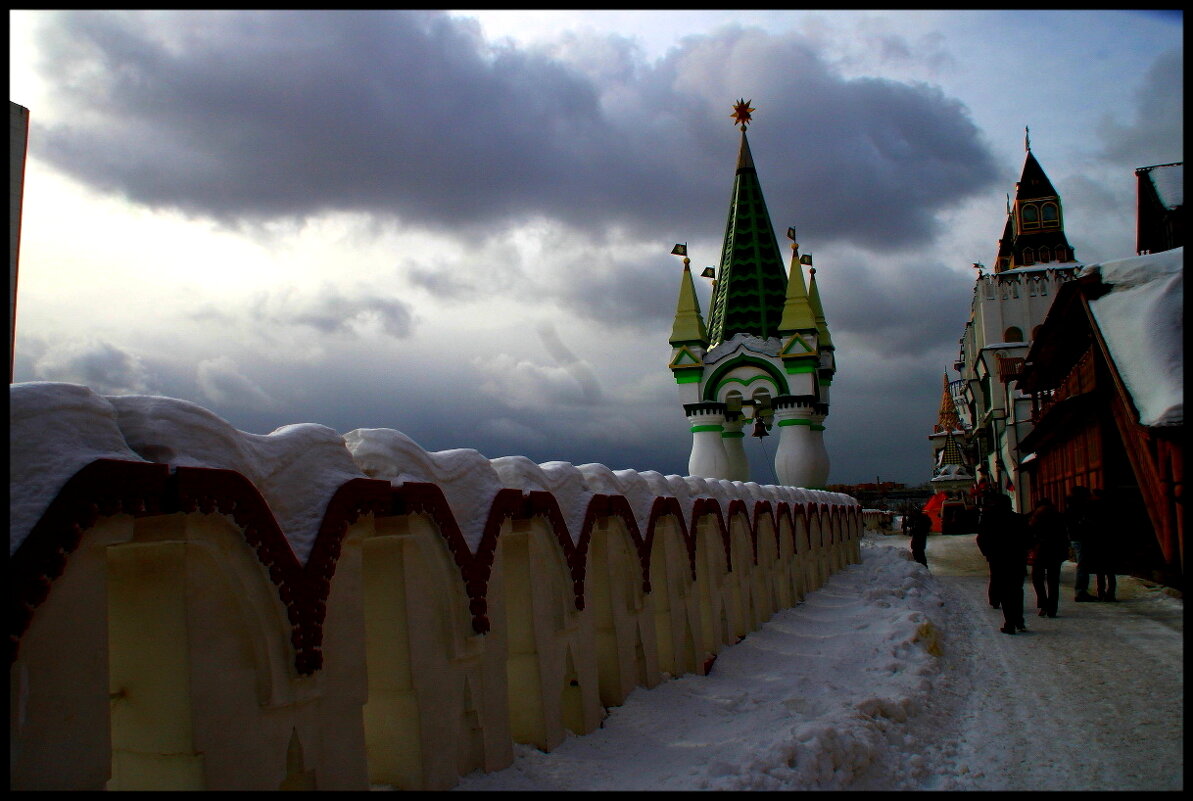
{"x":741,"y":112}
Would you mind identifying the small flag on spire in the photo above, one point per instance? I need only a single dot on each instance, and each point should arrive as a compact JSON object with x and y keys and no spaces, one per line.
{"x":1027,"y":138}
{"x":680,"y":250}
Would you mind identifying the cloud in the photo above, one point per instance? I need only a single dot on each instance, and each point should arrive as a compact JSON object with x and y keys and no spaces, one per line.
{"x":222,"y":383}
{"x":507,"y":432}
{"x":523,"y":384}
{"x":246,"y":117}
{"x":580,"y":370}
{"x":327,"y":311}
{"x":100,"y":365}
{"x":898,"y":307}
{"x":1156,"y":133}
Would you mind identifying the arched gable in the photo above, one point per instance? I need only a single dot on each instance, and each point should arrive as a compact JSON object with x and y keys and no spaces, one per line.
{"x":720,"y":376}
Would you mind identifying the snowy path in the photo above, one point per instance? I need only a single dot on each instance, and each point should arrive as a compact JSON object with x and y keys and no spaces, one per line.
{"x":1090,"y":700}
{"x":892,"y":677}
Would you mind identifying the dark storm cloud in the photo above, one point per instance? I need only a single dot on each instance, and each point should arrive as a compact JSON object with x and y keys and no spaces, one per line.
{"x":900,"y":310}
{"x":639,"y":295}
{"x":249,"y":116}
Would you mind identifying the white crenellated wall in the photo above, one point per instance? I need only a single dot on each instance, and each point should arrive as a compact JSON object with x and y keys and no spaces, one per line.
{"x":275,"y":613}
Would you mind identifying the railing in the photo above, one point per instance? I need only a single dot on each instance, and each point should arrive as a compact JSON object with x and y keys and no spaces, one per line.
{"x":1010,"y":368}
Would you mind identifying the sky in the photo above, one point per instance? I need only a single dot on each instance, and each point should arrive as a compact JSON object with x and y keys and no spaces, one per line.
{"x":458,"y":224}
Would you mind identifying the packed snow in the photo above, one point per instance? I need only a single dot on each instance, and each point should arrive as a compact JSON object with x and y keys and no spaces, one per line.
{"x":894,"y":677}
{"x":56,"y":429}
{"x":1169,"y":180}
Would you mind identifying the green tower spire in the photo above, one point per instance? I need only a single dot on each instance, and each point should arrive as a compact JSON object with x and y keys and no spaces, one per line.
{"x":751,"y":286}
{"x":797,"y":308}
{"x":688,"y":327}
{"x":818,"y":310}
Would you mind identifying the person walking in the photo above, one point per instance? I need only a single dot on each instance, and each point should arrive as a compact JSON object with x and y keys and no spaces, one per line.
{"x":1101,"y":561}
{"x":1078,"y":524}
{"x":1049,"y":549}
{"x":1003,"y":540}
{"x":919,"y":527}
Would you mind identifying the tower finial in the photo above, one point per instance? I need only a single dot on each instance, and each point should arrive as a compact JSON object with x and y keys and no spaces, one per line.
{"x":741,"y":113}
{"x":1027,"y":138}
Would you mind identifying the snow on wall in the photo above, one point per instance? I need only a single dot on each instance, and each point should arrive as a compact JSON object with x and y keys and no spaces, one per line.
{"x":56,"y":429}
{"x":1142,"y":322}
{"x":467,"y":478}
{"x":297,"y":468}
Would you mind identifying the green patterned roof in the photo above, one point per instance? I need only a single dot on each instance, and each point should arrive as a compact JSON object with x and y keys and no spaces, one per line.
{"x":751,"y":282}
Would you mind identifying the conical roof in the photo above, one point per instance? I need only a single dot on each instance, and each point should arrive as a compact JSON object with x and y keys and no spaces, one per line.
{"x":952,"y":455}
{"x":1033,"y":183}
{"x":1040,"y":237}
{"x":689,"y":325}
{"x":948,"y":419}
{"x":797,"y":309}
{"x":751,"y":283}
{"x":822,"y":334}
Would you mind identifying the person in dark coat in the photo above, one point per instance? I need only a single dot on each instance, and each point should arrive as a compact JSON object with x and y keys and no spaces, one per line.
{"x":1003,"y":540}
{"x":985,"y":500}
{"x":1079,"y":525}
{"x":1049,"y":549}
{"x":919,"y":527}
{"x":1098,"y":542}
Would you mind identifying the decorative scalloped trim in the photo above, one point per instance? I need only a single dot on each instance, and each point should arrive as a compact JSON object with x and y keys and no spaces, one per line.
{"x":110,"y":486}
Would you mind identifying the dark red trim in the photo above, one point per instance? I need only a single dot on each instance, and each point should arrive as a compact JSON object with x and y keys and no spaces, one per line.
{"x":110,"y":486}
{"x":103,"y":487}
{"x":700,"y":508}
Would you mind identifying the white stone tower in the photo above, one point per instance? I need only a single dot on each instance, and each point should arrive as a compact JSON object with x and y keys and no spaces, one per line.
{"x":765,"y":358}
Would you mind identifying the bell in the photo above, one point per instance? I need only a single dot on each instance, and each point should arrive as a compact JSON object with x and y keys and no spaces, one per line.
{"x":760,"y":428}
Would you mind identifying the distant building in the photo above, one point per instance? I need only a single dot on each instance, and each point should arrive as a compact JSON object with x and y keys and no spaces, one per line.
{"x":1161,"y":208}
{"x":952,"y":508}
{"x":18,"y":139}
{"x":1105,"y":377}
{"x":1033,"y":260}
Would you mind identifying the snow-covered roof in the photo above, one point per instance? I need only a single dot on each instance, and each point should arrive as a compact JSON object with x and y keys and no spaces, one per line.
{"x":1005,"y":345}
{"x":952,"y":472}
{"x":764,"y":347}
{"x":1169,"y":181}
{"x":1142,"y":322}
{"x":1038,"y":268}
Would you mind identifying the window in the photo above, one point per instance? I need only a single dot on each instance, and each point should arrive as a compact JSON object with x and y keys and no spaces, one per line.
{"x":1062,"y":253}
{"x":1029,"y":256}
{"x":1030,"y":215}
{"x":1051,"y":215}
{"x":1013,"y":334}
{"x":1045,"y":255}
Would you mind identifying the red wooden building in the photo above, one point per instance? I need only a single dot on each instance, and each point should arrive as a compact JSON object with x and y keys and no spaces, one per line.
{"x":1105,"y":375}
